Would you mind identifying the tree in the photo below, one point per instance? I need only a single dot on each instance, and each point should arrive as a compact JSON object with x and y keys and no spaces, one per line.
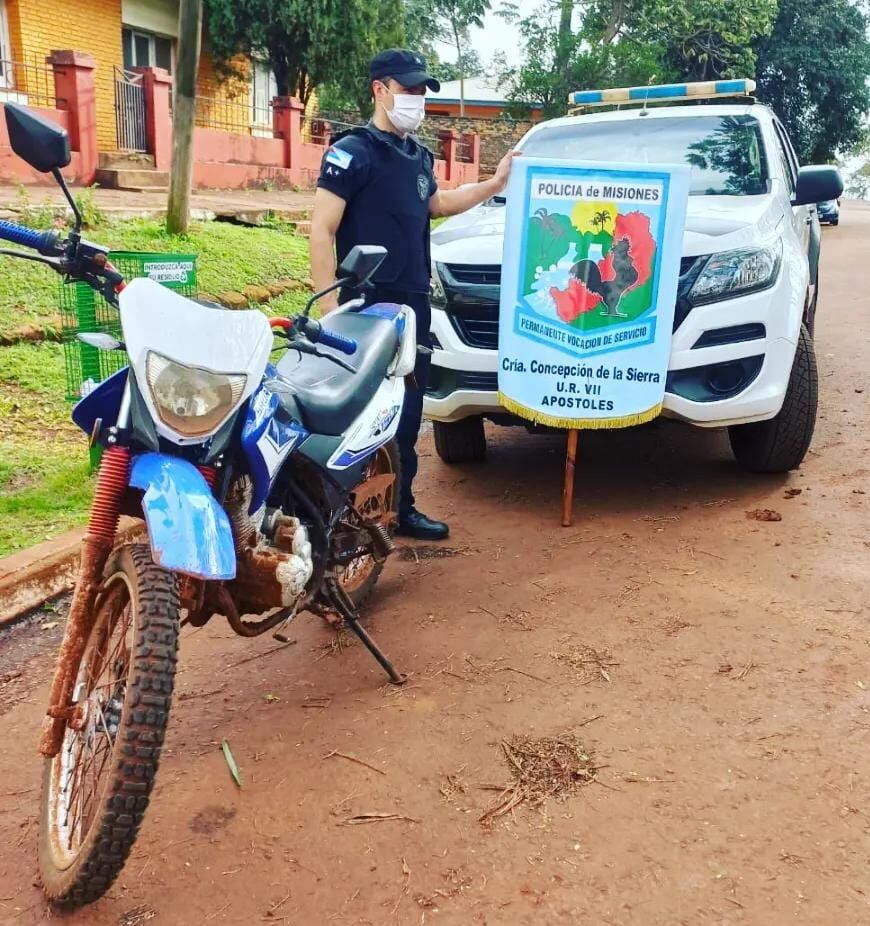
{"x":699,"y":39}
{"x":306,"y":42}
{"x":858,"y":184}
{"x":469,"y":65}
{"x":573,"y":45}
{"x":551,"y":56}
{"x":855,"y":167}
{"x":813,"y":70}
{"x":577,"y":44}
{"x":456,"y":17}
{"x":424,"y":29}
{"x":187,"y":65}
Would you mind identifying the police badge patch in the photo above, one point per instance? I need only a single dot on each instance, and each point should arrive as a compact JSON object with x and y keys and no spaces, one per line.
{"x":423,"y":186}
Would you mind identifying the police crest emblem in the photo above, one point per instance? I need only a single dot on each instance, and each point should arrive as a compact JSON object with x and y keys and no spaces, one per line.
{"x":423,"y":186}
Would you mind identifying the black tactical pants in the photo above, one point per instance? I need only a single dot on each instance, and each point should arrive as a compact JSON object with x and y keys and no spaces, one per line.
{"x":412,"y":410}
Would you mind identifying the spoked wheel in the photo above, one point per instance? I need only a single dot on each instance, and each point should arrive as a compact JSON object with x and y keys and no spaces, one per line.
{"x":376,"y":498}
{"x":96,"y":789}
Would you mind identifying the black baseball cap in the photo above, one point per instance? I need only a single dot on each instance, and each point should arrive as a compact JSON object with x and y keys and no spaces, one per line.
{"x":407,"y":67}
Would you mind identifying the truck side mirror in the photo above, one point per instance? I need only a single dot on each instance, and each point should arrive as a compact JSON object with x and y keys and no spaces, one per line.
{"x":818,"y":183}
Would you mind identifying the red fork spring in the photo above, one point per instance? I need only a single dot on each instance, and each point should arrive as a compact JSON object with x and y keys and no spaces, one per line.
{"x":111,"y":484}
{"x":210,"y":474}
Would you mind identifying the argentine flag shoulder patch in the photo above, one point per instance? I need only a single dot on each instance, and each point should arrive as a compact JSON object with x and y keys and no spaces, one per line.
{"x":339,"y":158}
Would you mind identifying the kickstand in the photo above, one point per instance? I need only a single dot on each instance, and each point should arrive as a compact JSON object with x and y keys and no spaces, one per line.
{"x":345,"y":608}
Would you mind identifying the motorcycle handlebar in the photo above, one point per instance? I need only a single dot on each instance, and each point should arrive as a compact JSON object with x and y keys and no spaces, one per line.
{"x":316,"y":333}
{"x":338,"y":341}
{"x":44,"y":242}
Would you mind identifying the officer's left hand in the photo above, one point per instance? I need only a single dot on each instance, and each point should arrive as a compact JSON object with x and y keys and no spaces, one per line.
{"x":502,"y":172}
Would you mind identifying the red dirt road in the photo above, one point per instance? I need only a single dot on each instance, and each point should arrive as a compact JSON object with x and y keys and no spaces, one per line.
{"x":730,"y":684}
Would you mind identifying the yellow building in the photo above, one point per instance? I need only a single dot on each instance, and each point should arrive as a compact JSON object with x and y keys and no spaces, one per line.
{"x":120,"y":35}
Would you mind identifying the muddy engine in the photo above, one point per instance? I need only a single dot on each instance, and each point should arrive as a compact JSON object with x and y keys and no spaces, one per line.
{"x":274,"y":562}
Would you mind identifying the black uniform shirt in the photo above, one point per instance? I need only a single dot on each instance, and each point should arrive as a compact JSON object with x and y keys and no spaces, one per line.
{"x":386,"y":182}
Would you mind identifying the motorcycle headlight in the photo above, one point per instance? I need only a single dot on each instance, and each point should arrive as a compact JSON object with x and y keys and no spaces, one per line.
{"x":736,"y":273}
{"x":192,"y":401}
{"x":436,"y":288}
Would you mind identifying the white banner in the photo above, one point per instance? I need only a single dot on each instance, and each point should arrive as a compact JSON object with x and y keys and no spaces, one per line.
{"x":588,"y":290}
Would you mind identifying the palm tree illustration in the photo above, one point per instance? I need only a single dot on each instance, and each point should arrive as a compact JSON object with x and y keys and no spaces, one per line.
{"x":600,"y":219}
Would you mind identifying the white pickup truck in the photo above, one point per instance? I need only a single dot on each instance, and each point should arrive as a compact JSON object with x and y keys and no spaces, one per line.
{"x":742,"y":352}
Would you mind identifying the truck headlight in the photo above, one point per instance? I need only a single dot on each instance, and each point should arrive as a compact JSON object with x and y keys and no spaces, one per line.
{"x":192,"y":401}
{"x":436,"y":288}
{"x":736,"y":273}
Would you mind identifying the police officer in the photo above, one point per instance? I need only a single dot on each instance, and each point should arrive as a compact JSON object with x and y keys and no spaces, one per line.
{"x":377,"y":186}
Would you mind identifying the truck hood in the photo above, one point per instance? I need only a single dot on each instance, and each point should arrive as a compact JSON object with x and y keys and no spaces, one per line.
{"x":713,"y":224}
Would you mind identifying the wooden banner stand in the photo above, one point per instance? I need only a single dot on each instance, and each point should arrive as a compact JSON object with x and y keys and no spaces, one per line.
{"x":568,"y":488}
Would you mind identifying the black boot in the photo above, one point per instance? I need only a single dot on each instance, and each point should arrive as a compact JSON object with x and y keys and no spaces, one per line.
{"x":417,"y":525}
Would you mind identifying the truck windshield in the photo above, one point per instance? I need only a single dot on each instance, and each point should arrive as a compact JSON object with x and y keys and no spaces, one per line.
{"x":725,"y":153}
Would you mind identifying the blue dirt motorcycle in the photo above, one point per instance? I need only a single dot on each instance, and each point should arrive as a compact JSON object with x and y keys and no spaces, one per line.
{"x":267,"y":486}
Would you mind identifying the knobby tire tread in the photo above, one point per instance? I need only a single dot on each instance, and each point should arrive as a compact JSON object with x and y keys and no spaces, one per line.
{"x":780,"y":445}
{"x":145,"y":718}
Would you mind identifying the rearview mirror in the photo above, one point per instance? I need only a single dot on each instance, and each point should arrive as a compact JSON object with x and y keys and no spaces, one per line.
{"x":100,"y":339}
{"x":817,"y":183}
{"x":361,"y":262}
{"x":37,"y":140}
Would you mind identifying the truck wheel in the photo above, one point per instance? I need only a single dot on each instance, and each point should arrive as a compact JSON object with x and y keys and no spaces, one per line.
{"x":460,"y":441}
{"x":780,"y":445}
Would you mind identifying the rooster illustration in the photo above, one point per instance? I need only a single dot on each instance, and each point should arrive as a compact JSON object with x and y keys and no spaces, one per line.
{"x":625,"y":275}
{"x":629,"y":265}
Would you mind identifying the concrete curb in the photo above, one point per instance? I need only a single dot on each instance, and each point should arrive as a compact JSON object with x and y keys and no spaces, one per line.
{"x":29,"y":578}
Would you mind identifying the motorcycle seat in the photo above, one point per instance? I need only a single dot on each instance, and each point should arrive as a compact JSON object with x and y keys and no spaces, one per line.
{"x":328,"y":397}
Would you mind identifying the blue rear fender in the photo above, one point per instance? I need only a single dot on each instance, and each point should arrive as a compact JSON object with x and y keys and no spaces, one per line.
{"x":188,"y":530}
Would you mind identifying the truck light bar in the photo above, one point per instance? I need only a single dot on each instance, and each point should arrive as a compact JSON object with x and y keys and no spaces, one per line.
{"x":663,"y":93}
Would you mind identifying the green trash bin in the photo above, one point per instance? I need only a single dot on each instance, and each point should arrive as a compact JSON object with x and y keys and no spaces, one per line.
{"x":83,"y":310}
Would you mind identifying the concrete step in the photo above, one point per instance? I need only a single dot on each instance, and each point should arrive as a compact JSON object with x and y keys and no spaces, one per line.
{"x":129,"y":178}
{"x":126,"y":160}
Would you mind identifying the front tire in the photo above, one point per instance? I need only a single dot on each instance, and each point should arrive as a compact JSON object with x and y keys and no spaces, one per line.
{"x":780,"y":444}
{"x":96,"y":790}
{"x":460,"y":441}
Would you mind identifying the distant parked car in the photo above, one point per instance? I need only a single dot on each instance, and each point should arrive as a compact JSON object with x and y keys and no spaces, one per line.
{"x":829,"y":212}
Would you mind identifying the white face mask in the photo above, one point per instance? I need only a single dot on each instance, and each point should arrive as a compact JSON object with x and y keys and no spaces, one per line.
{"x":408,"y":112}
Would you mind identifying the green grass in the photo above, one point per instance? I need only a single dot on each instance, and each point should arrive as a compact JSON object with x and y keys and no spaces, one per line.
{"x":57,"y":502}
{"x":45,"y":485}
{"x":45,"y":488}
{"x":229,"y":257}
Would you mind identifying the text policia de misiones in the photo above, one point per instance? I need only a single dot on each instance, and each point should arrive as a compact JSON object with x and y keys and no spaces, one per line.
{"x":566,"y":189}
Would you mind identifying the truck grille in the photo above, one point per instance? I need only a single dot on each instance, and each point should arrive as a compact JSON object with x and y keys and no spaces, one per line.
{"x":483,"y":275}
{"x":476,"y":325}
{"x":443,"y":382}
{"x":484,"y":382}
